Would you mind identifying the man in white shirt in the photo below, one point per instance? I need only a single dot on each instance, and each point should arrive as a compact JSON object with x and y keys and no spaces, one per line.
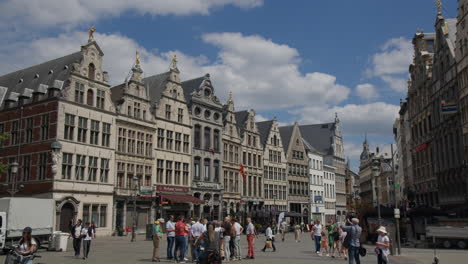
{"x":197,"y":230}
{"x":237,"y":248}
{"x":317,"y":231}
{"x":170,"y":230}
{"x":76,"y":234}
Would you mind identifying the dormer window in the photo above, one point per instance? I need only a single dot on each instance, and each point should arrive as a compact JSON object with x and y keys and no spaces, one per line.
{"x":91,"y":71}
{"x":207,"y":92}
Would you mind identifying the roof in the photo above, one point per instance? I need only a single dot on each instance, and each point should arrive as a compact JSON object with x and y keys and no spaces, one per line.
{"x":155,"y":86}
{"x":190,"y":86}
{"x":452,"y":31}
{"x":319,"y":136}
{"x":44,"y":73}
{"x":286,"y":134}
{"x":264,"y":130}
{"x":310,"y":148}
{"x":241,"y":118}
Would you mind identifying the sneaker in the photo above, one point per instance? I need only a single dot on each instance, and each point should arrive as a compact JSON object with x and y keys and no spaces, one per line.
{"x":318,"y":252}
{"x":186,"y":259}
{"x":328,"y":255}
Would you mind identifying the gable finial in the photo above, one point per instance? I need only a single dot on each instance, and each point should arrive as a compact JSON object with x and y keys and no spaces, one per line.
{"x":137,"y":58}
{"x":230,"y":96}
{"x":174,"y":62}
{"x":409,"y":83}
{"x":91,"y":33}
{"x":439,"y":7}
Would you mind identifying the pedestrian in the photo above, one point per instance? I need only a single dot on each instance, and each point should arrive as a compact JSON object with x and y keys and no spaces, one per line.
{"x":297,"y":233}
{"x":27,"y":246}
{"x":219,"y":230}
{"x":270,"y":239}
{"x":317,"y":235}
{"x":238,"y":229}
{"x":354,"y":231}
{"x":210,"y":241}
{"x":157,"y":236}
{"x":251,"y":234}
{"x":383,"y":244}
{"x":181,"y":232}
{"x":336,"y":242}
{"x":76,"y":235}
{"x":324,"y":245}
{"x":170,"y":234}
{"x":87,"y":233}
{"x":188,"y":223}
{"x":283,"y":229}
{"x":344,"y":250}
{"x":226,"y":227}
{"x":330,"y":228}
{"x":93,"y":226}
{"x":196,"y":231}
{"x":232,"y":246}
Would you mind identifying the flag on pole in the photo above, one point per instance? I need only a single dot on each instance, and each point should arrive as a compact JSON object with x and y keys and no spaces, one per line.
{"x":242,"y":171}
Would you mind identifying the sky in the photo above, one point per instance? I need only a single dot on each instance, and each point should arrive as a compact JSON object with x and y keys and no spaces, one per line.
{"x":301,"y":60}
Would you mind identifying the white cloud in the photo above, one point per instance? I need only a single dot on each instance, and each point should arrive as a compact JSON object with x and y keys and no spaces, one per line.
{"x":70,"y":13}
{"x":395,"y":83}
{"x":367,"y":91}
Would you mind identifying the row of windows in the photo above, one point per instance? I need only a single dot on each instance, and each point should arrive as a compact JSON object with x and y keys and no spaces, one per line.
{"x":299,"y":155}
{"x":315,"y":194}
{"x":131,"y":175}
{"x":316,"y":164}
{"x":329,"y":190}
{"x":274,"y":156}
{"x":96,"y":128}
{"x":252,"y":159}
{"x":207,"y":142}
{"x":317,"y":180}
{"x":96,"y":213}
{"x":231,"y":181}
{"x":252,"y":187}
{"x":231,"y":153}
{"x":298,"y":170}
{"x":329,"y":175}
{"x":276,"y":192}
{"x":180,"y":113}
{"x":85,"y":168}
{"x":207,"y":174}
{"x":298,"y":188}
{"x":169,"y":140}
{"x":133,"y":142}
{"x":24,"y":134}
{"x":330,"y":205}
{"x":80,"y":94}
{"x":24,"y":171}
{"x":135,"y":111}
{"x":273,"y":173}
{"x":172,"y":172}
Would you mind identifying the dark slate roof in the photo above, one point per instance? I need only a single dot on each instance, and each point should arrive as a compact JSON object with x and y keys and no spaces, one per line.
{"x":452,"y":31}
{"x":191,"y":85}
{"x":286,"y":134}
{"x":264,"y":130}
{"x":310,"y":148}
{"x":44,"y":73}
{"x":319,"y":136}
{"x":241,"y":118}
{"x":117,"y":92}
{"x":155,"y":86}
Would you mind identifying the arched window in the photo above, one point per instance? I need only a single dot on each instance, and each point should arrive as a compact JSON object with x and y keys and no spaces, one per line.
{"x":91,"y":71}
{"x":90,"y":97}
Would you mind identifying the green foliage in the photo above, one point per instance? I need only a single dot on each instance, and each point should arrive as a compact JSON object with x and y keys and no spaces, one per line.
{"x":3,"y":167}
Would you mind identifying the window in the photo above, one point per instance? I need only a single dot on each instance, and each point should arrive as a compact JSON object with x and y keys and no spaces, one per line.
{"x":178,"y":141}
{"x":121,"y":147}
{"x":79,"y":92}
{"x":259,"y":161}
{"x":26,"y":167}
{"x":168,"y":172}
{"x":250,"y":159}
{"x":106,"y":133}
{"x":92,"y":169}
{"x":67,"y":166}
{"x":2,"y":130}
{"x":160,"y":138}
{"x":129,"y":110}
{"x":100,"y":99}
{"x":104,"y":173}
{"x":29,"y":130}
{"x":69,"y":126}
{"x":82,"y":129}
{"x":236,"y":155}
{"x":207,"y":138}
{"x":90,"y":97}
{"x":86,"y":213}
{"x":196,"y":168}
{"x":177,"y":173}
{"x":95,"y":213}
{"x":136,"y":110}
{"x":103,"y":216}
{"x":186,"y":143}
{"x":45,"y":127}
{"x":149,"y":145}
{"x":120,"y":174}
{"x":216,"y":170}
{"x":254,"y":160}
{"x":207,"y":169}
{"x":180,"y":115}
{"x":80,"y":167}
{"x":216,"y":140}
{"x":94,"y":134}
{"x":168,"y":112}
{"x":197,"y":133}
{"x":91,"y":71}
{"x":160,"y":171}
{"x":14,"y":133}
{"x":131,"y":142}
{"x":169,"y":140}
{"x":148,"y":175}
{"x":140,"y":143}
{"x":185,"y":179}
{"x":42,"y":166}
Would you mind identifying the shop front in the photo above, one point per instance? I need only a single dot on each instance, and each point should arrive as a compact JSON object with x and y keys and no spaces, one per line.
{"x":211,"y":195}
{"x":176,"y":201}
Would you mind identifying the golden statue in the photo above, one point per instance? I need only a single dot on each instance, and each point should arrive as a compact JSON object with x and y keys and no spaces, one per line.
{"x":137,"y":58}
{"x":174,"y":61}
{"x":91,"y":32}
{"x":409,"y":83}
{"x":439,"y":6}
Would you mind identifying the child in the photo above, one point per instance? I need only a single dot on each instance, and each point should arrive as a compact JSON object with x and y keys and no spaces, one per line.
{"x":343,"y":249}
{"x":336,"y":242}
{"x":324,"y":243}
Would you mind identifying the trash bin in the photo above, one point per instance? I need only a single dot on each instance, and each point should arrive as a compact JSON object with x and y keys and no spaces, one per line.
{"x":52,"y":240}
{"x":61,"y":241}
{"x":149,"y":232}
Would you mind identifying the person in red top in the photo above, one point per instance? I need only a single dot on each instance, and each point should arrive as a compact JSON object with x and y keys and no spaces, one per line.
{"x":181,"y":231}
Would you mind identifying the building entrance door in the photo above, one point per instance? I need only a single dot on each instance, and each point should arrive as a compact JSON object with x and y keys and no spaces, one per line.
{"x":66,"y":215}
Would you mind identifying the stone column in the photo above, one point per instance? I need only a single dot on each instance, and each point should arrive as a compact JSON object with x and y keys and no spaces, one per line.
{"x":124,"y":214}
{"x":152,"y":212}
{"x":114,"y":216}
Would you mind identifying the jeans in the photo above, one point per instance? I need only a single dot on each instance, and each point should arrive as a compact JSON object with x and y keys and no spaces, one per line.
{"x":86,"y":247}
{"x":77,"y":246}
{"x":227,"y":250}
{"x":381,"y":259}
{"x":237,"y":247}
{"x":317,"y":243}
{"x":170,"y":245}
{"x":353,"y":254}
{"x":186,"y":247}
{"x":250,"y":241}
{"x":27,"y":260}
{"x":195,"y":250}
{"x":180,"y":245}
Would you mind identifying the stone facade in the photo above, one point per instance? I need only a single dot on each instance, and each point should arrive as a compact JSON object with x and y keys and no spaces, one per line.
{"x":317,"y":189}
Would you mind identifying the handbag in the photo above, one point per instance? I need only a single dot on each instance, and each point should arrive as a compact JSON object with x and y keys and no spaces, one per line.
{"x":362,"y":251}
{"x":268,"y":244}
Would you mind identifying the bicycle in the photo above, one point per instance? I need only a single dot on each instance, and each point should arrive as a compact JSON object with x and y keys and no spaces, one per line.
{"x":13,"y":256}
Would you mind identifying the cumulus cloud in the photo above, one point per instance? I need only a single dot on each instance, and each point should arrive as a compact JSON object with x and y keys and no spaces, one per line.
{"x":367,"y":91}
{"x":73,"y":12}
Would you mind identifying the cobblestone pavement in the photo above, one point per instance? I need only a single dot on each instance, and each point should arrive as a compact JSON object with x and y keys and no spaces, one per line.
{"x":119,"y":250}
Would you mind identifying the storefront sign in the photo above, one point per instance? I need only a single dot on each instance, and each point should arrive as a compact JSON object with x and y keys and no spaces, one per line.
{"x":146,"y":191}
{"x":163,"y":188}
{"x":318,"y":198}
{"x":208,"y":185}
{"x":420,"y":147}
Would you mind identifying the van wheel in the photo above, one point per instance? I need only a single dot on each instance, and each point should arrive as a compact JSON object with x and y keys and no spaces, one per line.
{"x":461,"y":244}
{"x":447,"y":244}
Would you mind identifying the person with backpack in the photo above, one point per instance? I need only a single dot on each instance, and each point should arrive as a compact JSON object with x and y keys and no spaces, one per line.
{"x":87,"y":233}
{"x":352,"y":241}
{"x":76,"y":235}
{"x":383,"y":244}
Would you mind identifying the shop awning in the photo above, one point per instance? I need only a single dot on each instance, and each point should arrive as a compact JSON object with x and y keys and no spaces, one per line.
{"x":182,"y":198}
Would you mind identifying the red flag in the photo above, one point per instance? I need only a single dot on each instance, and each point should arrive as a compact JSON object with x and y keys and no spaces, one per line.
{"x":242,"y":171}
{"x":212,"y":151}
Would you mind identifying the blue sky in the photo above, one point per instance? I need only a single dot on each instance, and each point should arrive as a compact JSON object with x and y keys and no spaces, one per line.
{"x":298,"y":60}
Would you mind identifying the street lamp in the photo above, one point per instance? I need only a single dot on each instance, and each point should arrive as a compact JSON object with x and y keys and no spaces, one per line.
{"x":135,"y":184}
{"x":14,"y":173}
{"x":375,"y":175}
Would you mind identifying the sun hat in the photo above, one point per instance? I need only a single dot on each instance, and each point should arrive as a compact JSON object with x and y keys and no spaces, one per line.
{"x":161,"y":220}
{"x":156,"y":222}
{"x":382,"y":229}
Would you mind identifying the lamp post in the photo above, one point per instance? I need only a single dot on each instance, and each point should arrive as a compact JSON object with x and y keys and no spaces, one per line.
{"x":375,"y":175}
{"x":135,"y":183}
{"x":397,"y":221}
{"x":14,"y":174}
